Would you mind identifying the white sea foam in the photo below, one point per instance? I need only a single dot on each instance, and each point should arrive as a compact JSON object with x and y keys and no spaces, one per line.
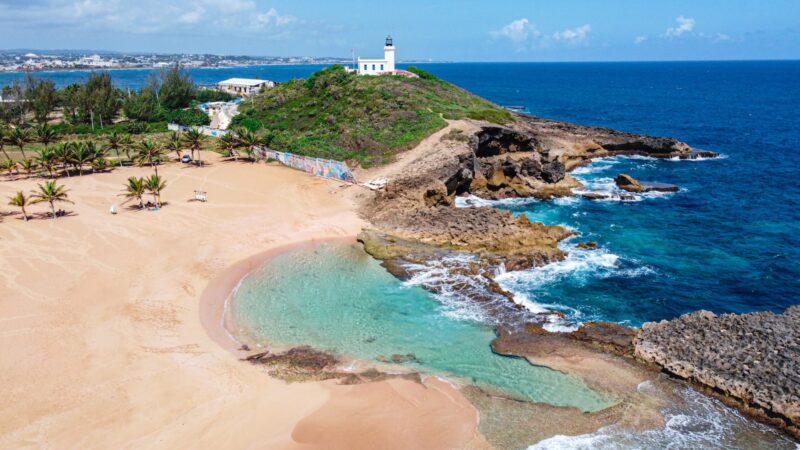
{"x":692,"y":421}
{"x":473,"y":201}
{"x":580,"y":266}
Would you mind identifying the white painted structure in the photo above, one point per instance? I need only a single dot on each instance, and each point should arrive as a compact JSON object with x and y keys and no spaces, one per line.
{"x":379,"y":66}
{"x":244,"y":87}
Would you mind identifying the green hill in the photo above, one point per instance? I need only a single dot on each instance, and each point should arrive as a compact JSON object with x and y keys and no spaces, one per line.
{"x":343,"y":116}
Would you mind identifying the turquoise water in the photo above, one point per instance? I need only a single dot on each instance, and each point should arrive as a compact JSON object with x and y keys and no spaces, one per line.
{"x":337,"y":298}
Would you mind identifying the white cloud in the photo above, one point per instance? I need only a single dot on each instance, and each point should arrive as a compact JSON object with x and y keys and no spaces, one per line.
{"x":722,"y":37}
{"x":685,"y":25}
{"x":573,"y":36}
{"x":639,"y":39}
{"x":517,"y":31}
{"x":524,"y":35}
{"x":145,"y":16}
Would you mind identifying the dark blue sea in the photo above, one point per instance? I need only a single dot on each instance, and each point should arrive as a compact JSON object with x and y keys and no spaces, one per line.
{"x":727,"y":242}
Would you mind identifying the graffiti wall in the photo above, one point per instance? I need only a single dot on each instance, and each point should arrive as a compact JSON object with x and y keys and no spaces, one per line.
{"x":327,"y":168}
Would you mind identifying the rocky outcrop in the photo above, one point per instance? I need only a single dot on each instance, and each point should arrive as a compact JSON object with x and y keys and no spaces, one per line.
{"x":630,"y":184}
{"x":752,"y":358}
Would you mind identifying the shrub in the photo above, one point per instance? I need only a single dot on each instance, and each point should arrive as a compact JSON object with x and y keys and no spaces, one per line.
{"x":498,"y":116}
{"x":210,"y":95}
{"x":425,"y":75}
{"x":246,"y":122}
{"x":186,"y":117}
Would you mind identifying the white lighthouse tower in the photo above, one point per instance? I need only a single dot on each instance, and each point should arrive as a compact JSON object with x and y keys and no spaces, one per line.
{"x":379,"y":66}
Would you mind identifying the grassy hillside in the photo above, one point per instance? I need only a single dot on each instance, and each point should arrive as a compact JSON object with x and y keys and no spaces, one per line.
{"x":343,"y":116}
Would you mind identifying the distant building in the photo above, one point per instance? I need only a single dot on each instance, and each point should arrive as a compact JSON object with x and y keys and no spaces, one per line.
{"x":379,"y":66}
{"x":244,"y":87}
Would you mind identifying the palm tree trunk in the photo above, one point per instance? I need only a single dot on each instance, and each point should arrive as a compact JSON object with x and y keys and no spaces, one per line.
{"x":5,"y":153}
{"x":24,"y":214}
{"x":119,"y":159}
{"x":23,"y":152}
{"x":53,"y":209}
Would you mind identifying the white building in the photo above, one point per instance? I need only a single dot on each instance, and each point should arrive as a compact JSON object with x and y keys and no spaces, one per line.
{"x":379,"y":66}
{"x":244,"y":87}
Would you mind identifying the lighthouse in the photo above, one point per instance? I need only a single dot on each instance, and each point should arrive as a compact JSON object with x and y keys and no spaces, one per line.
{"x":379,"y":66}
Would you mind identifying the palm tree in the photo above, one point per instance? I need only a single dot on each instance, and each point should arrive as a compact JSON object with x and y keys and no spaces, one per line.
{"x":174,"y":143}
{"x":126,"y":143}
{"x":9,"y":165}
{"x":194,"y":140}
{"x":155,"y":185}
{"x":47,"y":159}
{"x":80,"y":155}
{"x":62,"y":153}
{"x":45,"y":134}
{"x":96,"y":154}
{"x":114,"y":143}
{"x":28,"y":164}
{"x":51,"y":193}
{"x":20,"y":201}
{"x":20,"y":137}
{"x":248,"y":139}
{"x":151,"y":153}
{"x":228,"y":143}
{"x":135,"y":189}
{"x":3,"y":134}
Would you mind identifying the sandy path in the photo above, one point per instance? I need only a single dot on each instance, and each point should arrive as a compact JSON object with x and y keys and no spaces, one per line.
{"x":102,"y":340}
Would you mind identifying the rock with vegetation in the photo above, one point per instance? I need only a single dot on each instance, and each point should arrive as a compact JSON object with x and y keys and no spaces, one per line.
{"x":753,"y":358}
{"x":338,"y":115}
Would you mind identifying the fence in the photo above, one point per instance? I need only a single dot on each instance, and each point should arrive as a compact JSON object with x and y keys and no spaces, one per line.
{"x":208,"y":131}
{"x":327,"y":168}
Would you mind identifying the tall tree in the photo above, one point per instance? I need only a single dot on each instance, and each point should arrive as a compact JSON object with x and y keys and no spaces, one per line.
{"x":20,"y":201}
{"x":99,"y":100}
{"x":142,"y":105}
{"x":177,"y":88}
{"x":70,"y":98}
{"x":51,"y":193}
{"x":42,"y":97}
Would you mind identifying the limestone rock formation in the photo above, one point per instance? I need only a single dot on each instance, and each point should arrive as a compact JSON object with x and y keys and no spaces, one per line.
{"x":753,"y":358}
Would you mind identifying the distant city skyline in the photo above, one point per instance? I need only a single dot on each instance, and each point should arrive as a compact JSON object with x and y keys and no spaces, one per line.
{"x":467,"y":30}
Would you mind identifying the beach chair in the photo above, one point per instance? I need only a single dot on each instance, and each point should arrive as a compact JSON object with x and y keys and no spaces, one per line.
{"x":200,"y":196}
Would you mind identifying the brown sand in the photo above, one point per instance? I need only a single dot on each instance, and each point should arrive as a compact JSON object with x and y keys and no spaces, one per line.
{"x":103,"y":346}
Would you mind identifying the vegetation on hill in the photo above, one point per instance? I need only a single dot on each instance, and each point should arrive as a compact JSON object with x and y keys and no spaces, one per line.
{"x":334,"y":114}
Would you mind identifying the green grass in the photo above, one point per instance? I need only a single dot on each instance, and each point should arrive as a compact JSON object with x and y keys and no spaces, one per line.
{"x":342,"y":116}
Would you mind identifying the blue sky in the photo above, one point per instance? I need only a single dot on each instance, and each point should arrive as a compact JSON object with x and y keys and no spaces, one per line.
{"x":465,"y":30}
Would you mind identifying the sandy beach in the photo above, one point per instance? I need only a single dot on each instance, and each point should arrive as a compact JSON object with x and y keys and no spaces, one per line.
{"x":104,"y":343}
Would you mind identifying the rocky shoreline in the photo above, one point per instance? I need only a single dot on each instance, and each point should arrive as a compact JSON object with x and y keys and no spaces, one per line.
{"x":752,"y":359}
{"x":415,"y":219}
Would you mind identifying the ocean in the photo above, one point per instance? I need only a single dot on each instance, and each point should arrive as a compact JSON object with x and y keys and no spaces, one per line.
{"x":728,"y":241}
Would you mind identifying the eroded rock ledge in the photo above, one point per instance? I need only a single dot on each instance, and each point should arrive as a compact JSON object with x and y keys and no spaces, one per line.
{"x":751,"y":358}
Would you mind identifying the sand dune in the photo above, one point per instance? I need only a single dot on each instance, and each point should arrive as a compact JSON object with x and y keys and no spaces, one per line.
{"x":101,"y":333}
